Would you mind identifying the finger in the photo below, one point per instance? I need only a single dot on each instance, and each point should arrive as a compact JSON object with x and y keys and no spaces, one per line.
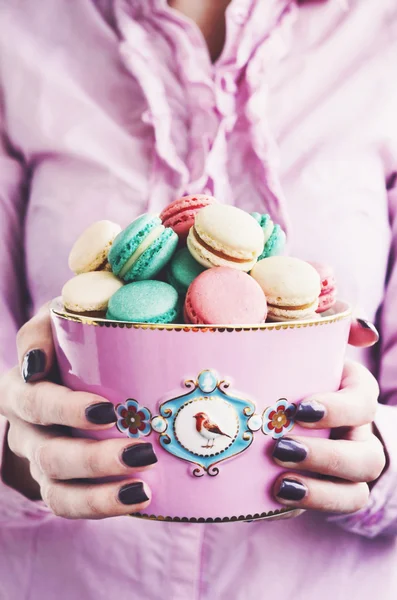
{"x":344,"y":459}
{"x":35,"y":346}
{"x":304,"y":492}
{"x":353,"y":405}
{"x":65,"y":458}
{"x":16,"y":468}
{"x":46,"y":403}
{"x":23,"y":438}
{"x":354,"y":434}
{"x":97,"y":501}
{"x":86,"y":501}
{"x":363,"y":334}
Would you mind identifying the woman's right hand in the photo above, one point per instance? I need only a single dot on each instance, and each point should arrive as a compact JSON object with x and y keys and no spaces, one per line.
{"x":39,"y":413}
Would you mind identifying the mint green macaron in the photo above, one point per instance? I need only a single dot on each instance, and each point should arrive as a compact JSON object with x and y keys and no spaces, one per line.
{"x":275,"y":237}
{"x":146,"y":301}
{"x":182,"y":270}
{"x":143,"y":249}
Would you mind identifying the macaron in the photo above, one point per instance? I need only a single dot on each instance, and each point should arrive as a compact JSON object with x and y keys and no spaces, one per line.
{"x":274,"y":236}
{"x":142,"y":249}
{"x":145,"y":302}
{"x":225,"y":236}
{"x":292,"y":287}
{"x":328,"y":292}
{"x":182,"y":270}
{"x":90,"y":292}
{"x":224,"y":296}
{"x":180,"y":214}
{"x":91,"y":249}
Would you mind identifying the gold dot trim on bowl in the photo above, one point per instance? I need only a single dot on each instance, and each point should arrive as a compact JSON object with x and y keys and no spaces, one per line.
{"x":58,"y":310}
{"x":278,"y":513}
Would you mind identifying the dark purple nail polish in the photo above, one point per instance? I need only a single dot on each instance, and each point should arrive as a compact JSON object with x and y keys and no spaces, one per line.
{"x":33,"y":365}
{"x":133,"y":493}
{"x":368,"y":325}
{"x":310,"y":411}
{"x":288,"y":450}
{"x":292,"y":490}
{"x":139,"y":455}
{"x":102,"y":413}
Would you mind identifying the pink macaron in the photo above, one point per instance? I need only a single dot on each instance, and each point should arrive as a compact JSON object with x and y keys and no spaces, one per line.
{"x":328,"y":286}
{"x":225,"y":296}
{"x":180,"y":214}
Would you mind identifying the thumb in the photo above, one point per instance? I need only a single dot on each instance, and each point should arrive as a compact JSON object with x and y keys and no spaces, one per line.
{"x":363,"y":334}
{"x":36,"y":347}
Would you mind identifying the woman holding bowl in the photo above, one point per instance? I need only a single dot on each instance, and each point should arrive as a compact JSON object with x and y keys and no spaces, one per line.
{"x":111,"y":108}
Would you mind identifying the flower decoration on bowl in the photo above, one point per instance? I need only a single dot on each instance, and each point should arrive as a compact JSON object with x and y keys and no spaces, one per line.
{"x":279,"y":419}
{"x":133,"y":419}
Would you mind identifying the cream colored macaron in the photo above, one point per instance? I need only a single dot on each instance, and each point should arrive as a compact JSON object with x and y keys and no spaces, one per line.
{"x":91,"y":249}
{"x":90,"y":292}
{"x":225,"y":236}
{"x":292,"y":287}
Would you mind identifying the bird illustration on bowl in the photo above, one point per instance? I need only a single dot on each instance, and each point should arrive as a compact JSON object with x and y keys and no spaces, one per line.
{"x":209,"y":430}
{"x":206,"y":425}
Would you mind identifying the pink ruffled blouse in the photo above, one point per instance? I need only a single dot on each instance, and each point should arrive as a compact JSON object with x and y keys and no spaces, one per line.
{"x":112,"y":108}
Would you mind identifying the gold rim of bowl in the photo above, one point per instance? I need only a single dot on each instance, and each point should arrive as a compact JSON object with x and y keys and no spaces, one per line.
{"x":341,"y":311}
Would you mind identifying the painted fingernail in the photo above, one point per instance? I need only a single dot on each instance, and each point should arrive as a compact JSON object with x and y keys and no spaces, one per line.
{"x":310,"y":411}
{"x":33,"y":365}
{"x":133,"y":493}
{"x":288,"y":450}
{"x":292,"y":490}
{"x":368,"y":325}
{"x":102,"y":413}
{"x":139,"y":455}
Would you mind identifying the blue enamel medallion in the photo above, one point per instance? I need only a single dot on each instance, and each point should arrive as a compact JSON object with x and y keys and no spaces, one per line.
{"x":206,"y":425}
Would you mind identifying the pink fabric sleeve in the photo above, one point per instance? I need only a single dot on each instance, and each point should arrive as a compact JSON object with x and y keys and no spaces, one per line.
{"x":14,"y":507}
{"x":11,"y":253}
{"x":380,"y":515}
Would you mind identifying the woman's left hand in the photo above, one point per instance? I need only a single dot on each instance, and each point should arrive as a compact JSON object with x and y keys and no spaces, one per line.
{"x":351,"y":458}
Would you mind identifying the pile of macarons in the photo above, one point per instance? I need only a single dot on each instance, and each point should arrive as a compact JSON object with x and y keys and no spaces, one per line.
{"x":198,"y":262}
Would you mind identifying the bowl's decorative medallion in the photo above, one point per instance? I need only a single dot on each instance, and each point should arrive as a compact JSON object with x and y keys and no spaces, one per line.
{"x":207,"y":425}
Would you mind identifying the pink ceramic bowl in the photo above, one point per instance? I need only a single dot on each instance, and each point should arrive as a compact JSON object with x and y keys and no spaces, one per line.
{"x":166,"y":380}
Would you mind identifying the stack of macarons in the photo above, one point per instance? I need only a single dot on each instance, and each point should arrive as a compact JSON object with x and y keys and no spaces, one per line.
{"x":94,"y":283}
{"x":198,"y":262}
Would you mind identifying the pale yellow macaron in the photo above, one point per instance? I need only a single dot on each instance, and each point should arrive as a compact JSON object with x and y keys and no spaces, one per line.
{"x":225,"y":236}
{"x":292,"y":287}
{"x":90,"y":292}
{"x":91,"y":249}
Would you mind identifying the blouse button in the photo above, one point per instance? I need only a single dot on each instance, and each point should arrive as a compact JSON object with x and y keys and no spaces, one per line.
{"x":147,"y":117}
{"x":240,"y":12}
